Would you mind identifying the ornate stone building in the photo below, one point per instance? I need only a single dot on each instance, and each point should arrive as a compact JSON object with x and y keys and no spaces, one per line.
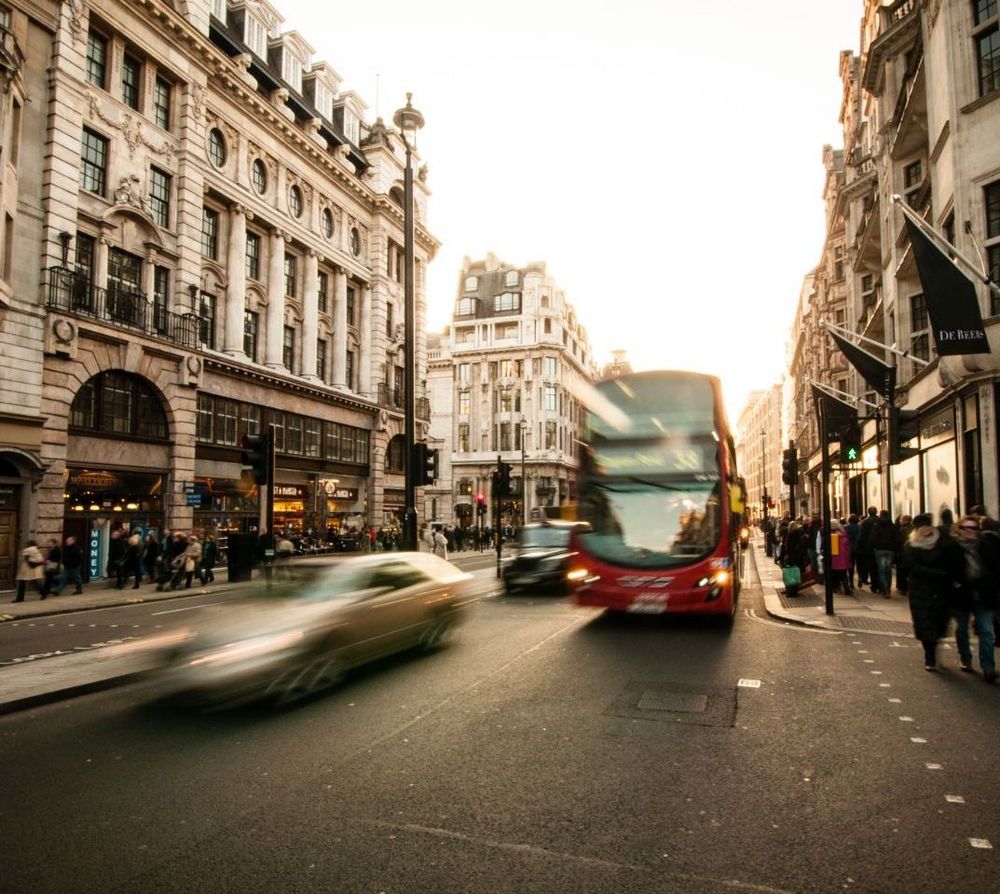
{"x":920,"y":116}
{"x":508,"y":368}
{"x":208,"y":242}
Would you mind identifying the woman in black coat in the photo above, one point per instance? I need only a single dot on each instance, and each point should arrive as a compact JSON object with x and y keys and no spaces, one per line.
{"x":793,"y":552}
{"x":933,"y":564}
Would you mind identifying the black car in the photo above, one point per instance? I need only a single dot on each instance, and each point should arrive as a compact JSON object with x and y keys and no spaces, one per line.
{"x":541,"y":557}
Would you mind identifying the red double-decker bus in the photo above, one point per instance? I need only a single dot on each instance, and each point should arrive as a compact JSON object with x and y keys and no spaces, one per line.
{"x":659,"y":489}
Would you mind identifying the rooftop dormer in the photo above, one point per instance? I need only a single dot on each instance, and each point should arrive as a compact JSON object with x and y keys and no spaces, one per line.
{"x":254,"y":21}
{"x":348,"y":111}
{"x":319,"y":87}
{"x":289,"y":55}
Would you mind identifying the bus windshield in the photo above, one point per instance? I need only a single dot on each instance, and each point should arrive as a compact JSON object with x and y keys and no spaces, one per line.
{"x":651,"y":523}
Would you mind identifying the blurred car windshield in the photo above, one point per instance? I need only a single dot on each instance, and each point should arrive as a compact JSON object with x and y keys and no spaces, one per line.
{"x":544,"y":537}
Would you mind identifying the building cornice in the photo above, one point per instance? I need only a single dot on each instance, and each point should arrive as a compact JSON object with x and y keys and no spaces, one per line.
{"x":288,"y":385}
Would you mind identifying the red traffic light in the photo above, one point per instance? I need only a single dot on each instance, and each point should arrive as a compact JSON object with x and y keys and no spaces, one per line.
{"x":480,"y":498}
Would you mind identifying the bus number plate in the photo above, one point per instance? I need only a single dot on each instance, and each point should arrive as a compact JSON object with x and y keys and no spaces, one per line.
{"x":649,"y":603}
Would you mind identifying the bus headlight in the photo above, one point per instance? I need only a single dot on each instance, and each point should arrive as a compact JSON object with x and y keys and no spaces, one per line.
{"x":580,"y":577}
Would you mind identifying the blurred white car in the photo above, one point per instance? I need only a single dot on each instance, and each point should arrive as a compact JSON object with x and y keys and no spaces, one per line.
{"x":317,"y":619}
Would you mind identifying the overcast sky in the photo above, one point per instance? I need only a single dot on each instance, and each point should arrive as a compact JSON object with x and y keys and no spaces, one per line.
{"x":663,"y":158}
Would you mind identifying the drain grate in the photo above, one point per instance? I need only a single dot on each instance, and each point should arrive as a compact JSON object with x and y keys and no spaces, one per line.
{"x":673,"y":701}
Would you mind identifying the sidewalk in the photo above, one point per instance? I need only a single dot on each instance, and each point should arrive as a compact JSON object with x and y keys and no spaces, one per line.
{"x":863,"y":612}
{"x":56,"y":677}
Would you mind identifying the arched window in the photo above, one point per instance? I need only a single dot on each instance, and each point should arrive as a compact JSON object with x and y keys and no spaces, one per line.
{"x":394,"y":455}
{"x":119,"y":403}
{"x":396,"y":194}
{"x":216,"y":147}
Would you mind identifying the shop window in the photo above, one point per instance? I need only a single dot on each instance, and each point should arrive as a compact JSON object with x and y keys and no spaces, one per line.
{"x":118,"y":403}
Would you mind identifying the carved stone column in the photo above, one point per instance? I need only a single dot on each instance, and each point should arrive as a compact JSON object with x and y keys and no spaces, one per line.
{"x":310,"y":316}
{"x":236,"y":273}
{"x":275,"y":300}
{"x":340,"y":328}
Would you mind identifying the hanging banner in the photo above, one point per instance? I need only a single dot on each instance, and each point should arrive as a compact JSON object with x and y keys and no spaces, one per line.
{"x":880,"y":376}
{"x":952,"y":305}
{"x":839,"y":416}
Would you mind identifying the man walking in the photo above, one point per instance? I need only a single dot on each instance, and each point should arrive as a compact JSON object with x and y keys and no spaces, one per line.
{"x":978,"y":597}
{"x":72,"y":562}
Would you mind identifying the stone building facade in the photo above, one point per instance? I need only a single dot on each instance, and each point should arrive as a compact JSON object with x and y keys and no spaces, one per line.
{"x":920,"y":116}
{"x":202,"y":238}
{"x":504,"y":381}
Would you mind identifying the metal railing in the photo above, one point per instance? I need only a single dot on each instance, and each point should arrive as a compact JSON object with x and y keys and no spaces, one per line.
{"x":72,"y":292}
{"x":394,"y":398}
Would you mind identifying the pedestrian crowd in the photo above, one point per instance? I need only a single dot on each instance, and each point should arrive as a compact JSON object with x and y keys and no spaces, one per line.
{"x":948,"y":572}
{"x":172,"y":561}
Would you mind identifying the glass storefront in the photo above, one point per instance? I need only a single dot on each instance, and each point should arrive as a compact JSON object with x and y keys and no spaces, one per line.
{"x":940,"y":480}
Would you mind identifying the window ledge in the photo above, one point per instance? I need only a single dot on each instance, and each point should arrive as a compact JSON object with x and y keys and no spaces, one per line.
{"x":977,"y":104}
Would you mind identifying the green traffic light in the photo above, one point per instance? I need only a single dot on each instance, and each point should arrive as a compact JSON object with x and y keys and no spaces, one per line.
{"x":852,"y":454}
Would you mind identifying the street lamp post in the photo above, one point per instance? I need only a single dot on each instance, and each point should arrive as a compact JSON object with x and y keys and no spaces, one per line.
{"x":763,"y":475}
{"x":409,"y":121}
{"x":524,"y":480}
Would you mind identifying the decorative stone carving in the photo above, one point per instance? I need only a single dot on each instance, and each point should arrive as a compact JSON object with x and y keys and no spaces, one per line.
{"x":131,"y":129}
{"x":61,"y":338}
{"x":128,"y":193}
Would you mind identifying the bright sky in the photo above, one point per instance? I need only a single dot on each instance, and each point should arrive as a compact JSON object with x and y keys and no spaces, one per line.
{"x":663,"y":158}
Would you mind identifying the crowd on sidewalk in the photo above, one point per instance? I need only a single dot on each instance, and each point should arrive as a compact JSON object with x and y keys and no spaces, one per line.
{"x":949,"y":571}
{"x":172,"y":561}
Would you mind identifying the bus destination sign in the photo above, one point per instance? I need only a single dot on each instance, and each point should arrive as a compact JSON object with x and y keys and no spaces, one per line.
{"x":652,"y":459}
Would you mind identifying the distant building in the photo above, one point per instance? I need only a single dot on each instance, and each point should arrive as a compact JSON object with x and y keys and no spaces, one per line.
{"x":502,"y":381}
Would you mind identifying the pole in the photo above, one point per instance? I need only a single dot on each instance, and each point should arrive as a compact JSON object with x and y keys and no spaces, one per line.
{"x":409,"y":359}
{"x":825,"y":475}
{"x":524,"y":480}
{"x":496,"y":515}
{"x":763,"y":476}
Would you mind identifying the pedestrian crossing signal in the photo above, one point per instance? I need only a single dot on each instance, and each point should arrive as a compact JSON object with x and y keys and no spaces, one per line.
{"x":850,"y":444}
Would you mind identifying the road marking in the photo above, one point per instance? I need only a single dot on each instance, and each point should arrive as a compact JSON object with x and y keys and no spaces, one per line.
{"x":174,"y":611}
{"x":895,"y":701}
{"x":869,"y":660}
{"x":934,"y":766}
{"x":749,"y":684}
{"x":906,"y":719}
{"x":954,"y":799}
{"x":916,"y":740}
{"x":981,"y":843}
{"x":862,"y":651}
{"x":877,"y":673}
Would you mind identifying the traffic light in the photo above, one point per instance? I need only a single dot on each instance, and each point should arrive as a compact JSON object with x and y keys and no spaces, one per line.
{"x":480,"y":503}
{"x":503,"y":479}
{"x":790,"y":466}
{"x":850,"y":444}
{"x":903,"y":427}
{"x":425,"y":462}
{"x":256,"y":456}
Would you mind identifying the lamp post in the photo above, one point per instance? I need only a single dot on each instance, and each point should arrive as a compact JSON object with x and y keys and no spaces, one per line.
{"x":524,"y":480}
{"x":409,"y":121}
{"x":763,"y":475}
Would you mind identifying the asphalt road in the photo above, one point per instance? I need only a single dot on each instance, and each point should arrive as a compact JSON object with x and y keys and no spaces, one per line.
{"x":547,"y":749}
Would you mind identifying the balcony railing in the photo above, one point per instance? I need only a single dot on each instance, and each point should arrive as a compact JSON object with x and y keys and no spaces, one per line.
{"x":72,"y":292}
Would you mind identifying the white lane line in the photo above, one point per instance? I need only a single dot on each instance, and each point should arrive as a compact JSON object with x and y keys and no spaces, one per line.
{"x":906,"y":719}
{"x":895,"y":701}
{"x":877,"y":673}
{"x":916,"y":740}
{"x":869,"y":661}
{"x":954,"y":799}
{"x":862,"y":651}
{"x":981,"y":843}
{"x":934,"y":766}
{"x":885,"y":685}
{"x":174,"y":611}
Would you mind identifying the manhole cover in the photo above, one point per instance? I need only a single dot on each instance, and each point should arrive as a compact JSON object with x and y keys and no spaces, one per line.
{"x":673,"y":701}
{"x":697,"y":704}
